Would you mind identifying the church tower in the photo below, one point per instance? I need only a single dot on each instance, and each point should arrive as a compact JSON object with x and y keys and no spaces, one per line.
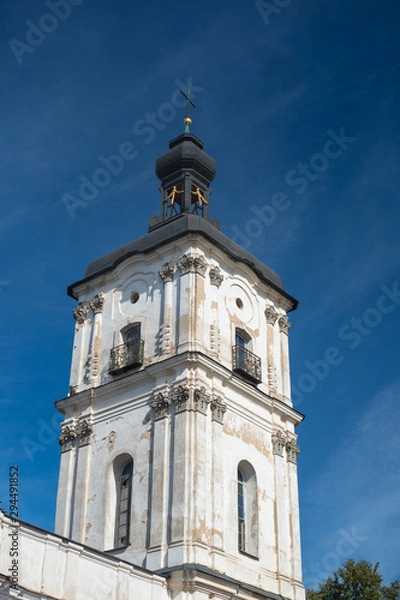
{"x":178,"y":447}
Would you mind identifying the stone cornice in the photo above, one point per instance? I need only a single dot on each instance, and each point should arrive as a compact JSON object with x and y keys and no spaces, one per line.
{"x":162,"y":369}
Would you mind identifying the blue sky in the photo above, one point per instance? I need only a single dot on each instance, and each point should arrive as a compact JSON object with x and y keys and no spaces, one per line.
{"x":299,"y":105}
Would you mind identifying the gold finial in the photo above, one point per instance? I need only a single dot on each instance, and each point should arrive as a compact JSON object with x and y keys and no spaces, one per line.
{"x":188,"y":121}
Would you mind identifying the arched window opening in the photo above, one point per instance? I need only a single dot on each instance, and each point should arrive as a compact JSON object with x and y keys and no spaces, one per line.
{"x":132,"y":334}
{"x":124,"y":498}
{"x":247,"y":509}
{"x":197,"y":201}
{"x":174,"y":201}
{"x":241,"y":519}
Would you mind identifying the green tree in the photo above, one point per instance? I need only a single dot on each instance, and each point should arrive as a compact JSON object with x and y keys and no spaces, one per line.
{"x":356,"y":581}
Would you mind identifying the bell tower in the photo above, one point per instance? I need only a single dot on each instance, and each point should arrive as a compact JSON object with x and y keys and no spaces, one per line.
{"x":178,"y":448}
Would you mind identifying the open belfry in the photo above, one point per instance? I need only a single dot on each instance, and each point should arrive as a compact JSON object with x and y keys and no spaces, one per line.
{"x":178,"y":476}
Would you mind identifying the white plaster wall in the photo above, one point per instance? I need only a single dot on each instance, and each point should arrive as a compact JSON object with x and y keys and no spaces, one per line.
{"x":56,"y":568}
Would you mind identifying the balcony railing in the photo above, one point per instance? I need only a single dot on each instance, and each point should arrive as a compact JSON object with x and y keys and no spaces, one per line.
{"x":126,"y":356}
{"x":246,"y":363}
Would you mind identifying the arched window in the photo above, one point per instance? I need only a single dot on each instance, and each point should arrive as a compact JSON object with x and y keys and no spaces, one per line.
{"x":247,"y":509}
{"x":241,"y":521}
{"x":124,"y":497}
{"x":242,"y":339}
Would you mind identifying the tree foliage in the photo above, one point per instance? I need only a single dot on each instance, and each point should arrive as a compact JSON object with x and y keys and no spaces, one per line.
{"x":356,"y":581}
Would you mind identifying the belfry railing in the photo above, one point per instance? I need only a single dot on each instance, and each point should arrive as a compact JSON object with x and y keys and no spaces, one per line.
{"x":126,"y":356}
{"x":246,"y":363}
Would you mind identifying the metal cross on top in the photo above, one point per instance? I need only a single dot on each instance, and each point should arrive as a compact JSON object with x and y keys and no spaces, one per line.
{"x":188,"y":121}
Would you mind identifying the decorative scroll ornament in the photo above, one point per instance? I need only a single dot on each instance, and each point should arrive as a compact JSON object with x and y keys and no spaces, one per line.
{"x":83,"y":432}
{"x":160,"y":406}
{"x":216,"y":277}
{"x":181,"y":399}
{"x":66,"y":438}
{"x":292,"y":451}
{"x":271,"y":315}
{"x":188,"y":263}
{"x":278,"y":443}
{"x":167,"y":272}
{"x":80,"y":312}
{"x":97,"y":303}
{"x":218,"y":409}
{"x":284,"y":324}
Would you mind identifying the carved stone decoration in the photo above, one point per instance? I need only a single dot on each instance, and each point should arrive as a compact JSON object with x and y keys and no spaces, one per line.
{"x":200,"y":400}
{"x":165,"y":338}
{"x":95,"y":361}
{"x":271,"y":315}
{"x":278,"y":443}
{"x":66,"y":438}
{"x":215,"y":339}
{"x":272,"y":378}
{"x":284,"y":324}
{"x":80,"y":312}
{"x":83,"y":432}
{"x":160,"y":406}
{"x":181,"y":399}
{"x":292,"y":451}
{"x":216,"y":277}
{"x":97,"y":303}
{"x":218,"y":409}
{"x":189,"y":263}
{"x":167,"y":272}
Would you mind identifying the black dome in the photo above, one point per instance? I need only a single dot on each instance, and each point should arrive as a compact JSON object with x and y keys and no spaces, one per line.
{"x":186,"y":152}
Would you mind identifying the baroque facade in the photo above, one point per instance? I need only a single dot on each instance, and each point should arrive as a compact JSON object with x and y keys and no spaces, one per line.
{"x":178,"y":476}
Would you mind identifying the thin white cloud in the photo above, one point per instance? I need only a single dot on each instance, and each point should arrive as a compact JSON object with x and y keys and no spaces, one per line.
{"x":360,"y":488}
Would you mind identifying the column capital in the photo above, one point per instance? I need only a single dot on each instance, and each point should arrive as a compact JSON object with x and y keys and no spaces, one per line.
{"x":181,"y":398}
{"x":167,"y":272}
{"x":271,"y":315}
{"x":216,"y":277}
{"x":160,"y":405}
{"x":97,"y":303}
{"x":189,"y":263}
{"x":80,"y":312}
{"x":278,"y":442}
{"x":284,"y":324}
{"x":83,"y":432}
{"x":218,"y":409}
{"x":292,"y":451}
{"x":200,"y":400}
{"x":66,"y":438}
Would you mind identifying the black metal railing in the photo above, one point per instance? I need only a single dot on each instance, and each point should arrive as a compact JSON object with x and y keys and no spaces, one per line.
{"x":246,"y":363}
{"x":126,"y":356}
